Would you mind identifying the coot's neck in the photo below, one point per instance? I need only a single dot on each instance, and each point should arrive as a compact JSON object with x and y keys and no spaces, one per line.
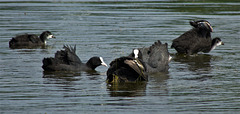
{"x":43,"y":38}
{"x":213,"y":45}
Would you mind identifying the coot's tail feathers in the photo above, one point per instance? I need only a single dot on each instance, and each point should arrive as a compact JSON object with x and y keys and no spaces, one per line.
{"x":157,"y":46}
{"x":157,"y":43}
{"x":62,"y":57}
{"x":70,"y":49}
{"x":12,"y":42}
{"x":48,"y":64}
{"x":68,"y":56}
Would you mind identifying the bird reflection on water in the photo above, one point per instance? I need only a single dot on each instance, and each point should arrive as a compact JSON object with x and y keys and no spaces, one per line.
{"x":135,"y":89}
{"x":68,"y":76}
{"x":199,"y":64}
{"x":129,"y":89}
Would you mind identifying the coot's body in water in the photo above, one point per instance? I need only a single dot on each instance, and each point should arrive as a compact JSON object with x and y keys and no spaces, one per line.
{"x":30,"y":40}
{"x":197,"y":39}
{"x":155,"y":57}
{"x":126,"y":69}
{"x":67,"y":60}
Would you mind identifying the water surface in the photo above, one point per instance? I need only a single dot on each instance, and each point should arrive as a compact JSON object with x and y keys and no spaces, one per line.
{"x":203,"y":83}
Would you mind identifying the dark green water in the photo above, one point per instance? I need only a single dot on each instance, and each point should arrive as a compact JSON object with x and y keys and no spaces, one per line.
{"x":207,"y":83}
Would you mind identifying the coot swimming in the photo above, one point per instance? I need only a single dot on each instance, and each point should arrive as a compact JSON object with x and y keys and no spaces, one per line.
{"x":67,"y":60}
{"x":155,"y":57}
{"x":30,"y":40}
{"x":126,"y":69}
{"x":197,"y":39}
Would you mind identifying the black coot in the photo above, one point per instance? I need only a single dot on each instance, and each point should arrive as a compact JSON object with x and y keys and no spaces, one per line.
{"x":67,"y":60}
{"x":155,"y":57}
{"x":126,"y":69}
{"x":30,"y":40}
{"x":197,"y":39}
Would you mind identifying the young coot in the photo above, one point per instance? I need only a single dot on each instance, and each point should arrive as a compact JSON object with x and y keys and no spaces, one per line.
{"x":67,"y":60}
{"x":197,"y":39}
{"x":156,"y":57}
{"x":30,"y":40}
{"x":126,"y":69}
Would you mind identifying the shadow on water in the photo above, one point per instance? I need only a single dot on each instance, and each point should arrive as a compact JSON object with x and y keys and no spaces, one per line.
{"x":127,"y":89}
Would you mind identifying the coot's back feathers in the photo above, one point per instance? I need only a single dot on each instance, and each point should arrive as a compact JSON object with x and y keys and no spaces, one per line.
{"x":30,"y":40}
{"x":126,"y":69}
{"x":156,"y":57}
{"x":64,"y":60}
{"x":159,"y":57}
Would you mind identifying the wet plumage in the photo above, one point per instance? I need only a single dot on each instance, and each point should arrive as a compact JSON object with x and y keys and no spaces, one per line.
{"x":30,"y":40}
{"x":126,"y":69}
{"x":155,"y":57}
{"x":67,"y":60}
{"x":197,"y":39}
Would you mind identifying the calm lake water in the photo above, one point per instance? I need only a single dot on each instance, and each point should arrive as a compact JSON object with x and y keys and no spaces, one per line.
{"x":206,"y":83}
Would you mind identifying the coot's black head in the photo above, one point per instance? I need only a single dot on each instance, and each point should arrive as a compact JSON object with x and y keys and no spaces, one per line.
{"x":217,"y":42}
{"x":46,"y":35}
{"x":95,"y":62}
{"x":202,"y":24}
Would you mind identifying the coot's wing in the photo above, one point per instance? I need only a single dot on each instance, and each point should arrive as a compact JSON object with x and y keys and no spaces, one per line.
{"x":125,"y":69}
{"x":53,"y":64}
{"x":137,"y":66}
{"x":21,"y":38}
{"x":33,"y":38}
{"x":63,"y":60}
{"x":184,"y":40}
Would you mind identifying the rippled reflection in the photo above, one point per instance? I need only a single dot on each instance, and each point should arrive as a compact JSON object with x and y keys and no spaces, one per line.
{"x":66,"y":76}
{"x":199,"y":64}
{"x":196,"y":63}
{"x":127,"y":89}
